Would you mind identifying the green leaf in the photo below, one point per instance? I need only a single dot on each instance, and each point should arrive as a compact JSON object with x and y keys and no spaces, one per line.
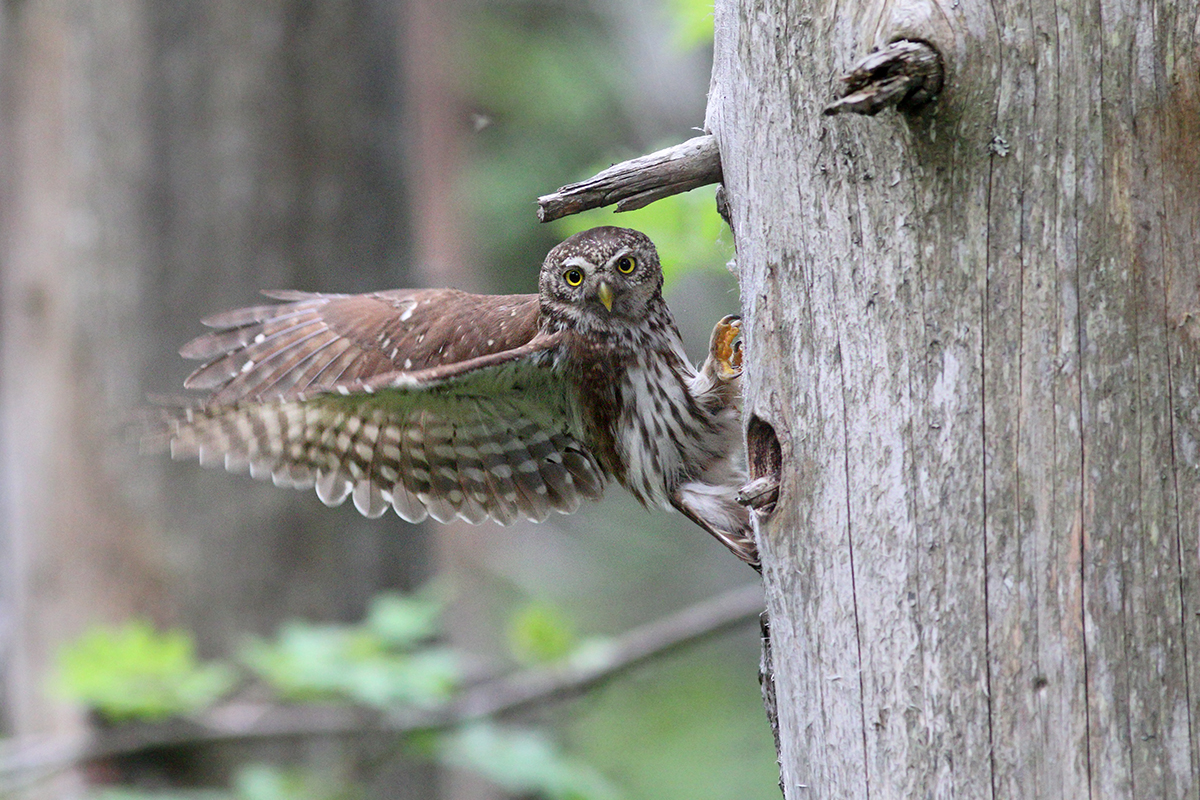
{"x":267,"y":782}
{"x":315,"y":662}
{"x":693,"y":23}
{"x":305,"y":661}
{"x":522,"y":762}
{"x":176,"y":794}
{"x":134,"y":672}
{"x":540,"y":633}
{"x":406,"y":620}
{"x":421,"y":678}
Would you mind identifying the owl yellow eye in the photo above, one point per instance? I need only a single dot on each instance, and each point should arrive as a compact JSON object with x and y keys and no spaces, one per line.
{"x":626,"y":264}
{"x":573,"y":277}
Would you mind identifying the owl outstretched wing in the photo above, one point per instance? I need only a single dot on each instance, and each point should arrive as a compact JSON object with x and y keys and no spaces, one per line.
{"x":323,"y":340}
{"x":308,"y":394}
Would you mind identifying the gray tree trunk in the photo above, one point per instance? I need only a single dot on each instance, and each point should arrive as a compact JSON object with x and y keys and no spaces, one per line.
{"x":160,"y":162}
{"x":974,"y":338}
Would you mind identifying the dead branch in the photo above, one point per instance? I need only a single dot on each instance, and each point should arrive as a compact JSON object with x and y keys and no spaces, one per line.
{"x":640,"y":181}
{"x":905,"y":74}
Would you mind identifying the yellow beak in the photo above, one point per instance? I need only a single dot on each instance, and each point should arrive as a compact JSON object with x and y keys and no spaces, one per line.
{"x":605,"y":293}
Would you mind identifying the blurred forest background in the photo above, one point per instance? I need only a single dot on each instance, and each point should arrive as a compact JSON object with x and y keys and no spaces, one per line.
{"x":162,"y":161}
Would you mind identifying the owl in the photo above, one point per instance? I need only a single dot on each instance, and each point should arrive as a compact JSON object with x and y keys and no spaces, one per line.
{"x":444,"y":404}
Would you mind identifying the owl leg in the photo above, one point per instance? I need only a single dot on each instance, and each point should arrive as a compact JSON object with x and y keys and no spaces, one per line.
{"x":724,"y":362}
{"x":715,"y":508}
{"x":715,"y":386}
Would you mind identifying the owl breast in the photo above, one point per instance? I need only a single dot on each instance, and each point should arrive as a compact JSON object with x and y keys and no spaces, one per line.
{"x":663,"y":436}
{"x":638,"y":415}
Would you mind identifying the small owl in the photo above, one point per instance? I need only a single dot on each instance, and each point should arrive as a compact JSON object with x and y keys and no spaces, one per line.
{"x":445,"y":404}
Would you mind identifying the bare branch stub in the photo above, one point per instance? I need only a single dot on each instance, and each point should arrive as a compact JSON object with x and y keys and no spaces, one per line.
{"x":906,"y":74}
{"x":640,"y":181}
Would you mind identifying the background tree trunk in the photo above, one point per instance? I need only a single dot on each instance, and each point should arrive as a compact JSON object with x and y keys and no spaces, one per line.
{"x":161,"y":162}
{"x":985,"y":318}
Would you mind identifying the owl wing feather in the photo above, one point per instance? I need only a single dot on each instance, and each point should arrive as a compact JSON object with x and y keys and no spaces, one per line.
{"x":497,"y":435}
{"x":322,"y":340}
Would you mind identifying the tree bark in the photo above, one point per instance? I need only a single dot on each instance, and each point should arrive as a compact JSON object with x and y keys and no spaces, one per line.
{"x":974,"y":339}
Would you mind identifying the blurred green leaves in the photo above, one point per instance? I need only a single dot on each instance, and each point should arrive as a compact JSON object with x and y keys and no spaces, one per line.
{"x":135,"y":672}
{"x":391,"y":659}
{"x":254,"y":782}
{"x":522,"y":762}
{"x":382,"y":662}
{"x":266,"y":782}
{"x":555,"y":104}
{"x":693,"y":22}
{"x":540,"y":633}
{"x":331,"y":662}
{"x":640,"y":730}
{"x":406,"y":620}
{"x":561,"y":100}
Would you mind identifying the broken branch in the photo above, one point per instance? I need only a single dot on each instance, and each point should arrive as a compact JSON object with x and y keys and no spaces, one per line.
{"x":640,"y":181}
{"x":905,"y":74}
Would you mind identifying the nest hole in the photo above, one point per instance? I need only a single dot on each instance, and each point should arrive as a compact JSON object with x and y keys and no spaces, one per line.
{"x":762,"y":450}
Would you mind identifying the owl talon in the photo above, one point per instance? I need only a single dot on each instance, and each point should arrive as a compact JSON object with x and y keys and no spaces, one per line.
{"x":726,"y":348}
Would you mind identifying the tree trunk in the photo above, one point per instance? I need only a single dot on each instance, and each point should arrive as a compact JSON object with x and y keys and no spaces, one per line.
{"x":974,"y":340}
{"x":161,"y":162}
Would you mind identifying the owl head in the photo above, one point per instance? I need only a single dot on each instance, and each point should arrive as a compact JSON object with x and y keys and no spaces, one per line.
{"x":601,"y":278}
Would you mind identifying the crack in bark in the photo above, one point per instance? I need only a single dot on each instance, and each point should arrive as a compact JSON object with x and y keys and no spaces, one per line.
{"x":1183,"y":605}
{"x":862,"y":697}
{"x":983,"y":337}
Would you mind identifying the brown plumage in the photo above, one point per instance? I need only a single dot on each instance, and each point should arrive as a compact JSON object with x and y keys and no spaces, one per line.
{"x":446,"y":404}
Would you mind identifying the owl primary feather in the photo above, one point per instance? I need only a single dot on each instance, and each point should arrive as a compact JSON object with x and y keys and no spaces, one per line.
{"x":445,"y":404}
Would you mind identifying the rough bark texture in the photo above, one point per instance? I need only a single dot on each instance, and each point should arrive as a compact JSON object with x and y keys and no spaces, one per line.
{"x":974,"y":332}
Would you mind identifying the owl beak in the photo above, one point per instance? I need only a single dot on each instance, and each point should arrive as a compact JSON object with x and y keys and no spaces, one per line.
{"x":605,"y":293}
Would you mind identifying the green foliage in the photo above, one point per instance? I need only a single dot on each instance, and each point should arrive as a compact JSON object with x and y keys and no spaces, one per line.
{"x":182,"y":794}
{"x":693,"y":22}
{"x":267,"y":782}
{"x":686,"y":228}
{"x":132,"y":672}
{"x":540,"y":633}
{"x":378,"y":663}
{"x":135,"y":672}
{"x":522,"y":762}
{"x":554,"y":105}
{"x":329,"y":662}
{"x":404,"y":621}
{"x":255,"y":782}
{"x":126,"y":672}
{"x":641,"y":731}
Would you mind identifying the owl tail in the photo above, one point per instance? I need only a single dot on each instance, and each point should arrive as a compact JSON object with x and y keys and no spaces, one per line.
{"x":716,"y":509}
